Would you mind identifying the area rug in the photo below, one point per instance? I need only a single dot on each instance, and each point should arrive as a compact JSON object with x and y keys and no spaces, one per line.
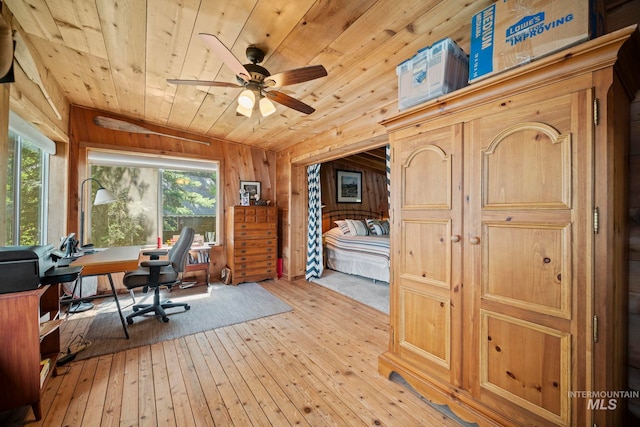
{"x":212,"y":307}
{"x":374,"y":294}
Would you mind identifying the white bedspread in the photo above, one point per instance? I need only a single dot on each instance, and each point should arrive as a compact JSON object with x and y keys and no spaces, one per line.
{"x":366,"y":256}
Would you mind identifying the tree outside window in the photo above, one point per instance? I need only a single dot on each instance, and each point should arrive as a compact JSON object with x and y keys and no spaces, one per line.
{"x":151,"y":203}
{"x":25,"y":208}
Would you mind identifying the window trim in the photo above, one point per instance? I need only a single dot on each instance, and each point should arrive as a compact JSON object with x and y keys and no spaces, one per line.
{"x":20,"y":127}
{"x":43,"y":212}
{"x":108,"y":157}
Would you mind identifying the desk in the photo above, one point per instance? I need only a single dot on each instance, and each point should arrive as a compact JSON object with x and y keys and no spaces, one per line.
{"x":111,"y":260}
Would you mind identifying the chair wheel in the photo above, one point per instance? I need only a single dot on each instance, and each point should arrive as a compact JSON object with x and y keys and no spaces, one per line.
{"x":165,"y":319}
{"x":187,"y":307}
{"x":130,"y":321}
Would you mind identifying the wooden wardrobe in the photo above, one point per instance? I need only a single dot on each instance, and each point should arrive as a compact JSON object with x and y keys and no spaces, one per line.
{"x":509,"y":281}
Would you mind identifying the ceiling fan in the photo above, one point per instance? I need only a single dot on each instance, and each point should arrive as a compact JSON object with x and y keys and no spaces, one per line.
{"x":257,"y":82}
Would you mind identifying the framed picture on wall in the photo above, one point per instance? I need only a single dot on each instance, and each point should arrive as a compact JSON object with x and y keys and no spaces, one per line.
{"x":349,"y":186}
{"x":251,"y":187}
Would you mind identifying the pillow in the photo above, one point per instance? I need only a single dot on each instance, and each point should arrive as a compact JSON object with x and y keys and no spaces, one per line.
{"x":385,"y":226}
{"x":378,"y":227}
{"x":375,"y":227}
{"x":342,"y":225}
{"x":357,"y":227}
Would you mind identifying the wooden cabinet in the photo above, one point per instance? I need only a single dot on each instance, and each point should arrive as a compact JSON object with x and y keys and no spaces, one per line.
{"x":30,"y":333}
{"x":508,"y":218}
{"x":252,"y":243}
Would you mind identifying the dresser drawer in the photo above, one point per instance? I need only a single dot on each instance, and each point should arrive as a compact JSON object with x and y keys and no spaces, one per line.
{"x":266,"y":252}
{"x":255,"y":266}
{"x":254,"y":257}
{"x":252,"y":233}
{"x":253,"y":226}
{"x":255,"y":214}
{"x":253,"y":273}
{"x":260,"y":244}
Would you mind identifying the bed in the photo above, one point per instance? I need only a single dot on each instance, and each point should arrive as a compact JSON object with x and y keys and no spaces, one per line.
{"x":365,"y":253}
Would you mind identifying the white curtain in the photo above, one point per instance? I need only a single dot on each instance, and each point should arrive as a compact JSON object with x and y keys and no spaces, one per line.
{"x":388,"y":167}
{"x":314,"y":239}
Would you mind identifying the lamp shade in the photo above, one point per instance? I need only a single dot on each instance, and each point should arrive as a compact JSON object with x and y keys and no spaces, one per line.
{"x":247,"y":99}
{"x":103,"y":196}
{"x":244,"y":111}
{"x":266,"y":107}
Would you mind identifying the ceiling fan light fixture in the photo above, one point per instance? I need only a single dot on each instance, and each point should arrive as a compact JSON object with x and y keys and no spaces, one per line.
{"x":266,"y":107}
{"x":244,"y":111}
{"x":254,"y":78}
{"x":247,"y":99}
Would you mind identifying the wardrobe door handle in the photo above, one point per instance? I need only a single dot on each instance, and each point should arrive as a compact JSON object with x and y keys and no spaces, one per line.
{"x":455,"y":238}
{"x":474,"y":240}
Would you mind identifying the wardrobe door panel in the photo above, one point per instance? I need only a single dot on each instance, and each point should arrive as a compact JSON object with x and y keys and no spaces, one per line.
{"x":426,"y":327}
{"x":523,"y":154}
{"x":538,"y":276}
{"x":426,"y":236}
{"x":527,"y":364}
{"x":422,"y":237}
{"x":522,"y":250}
{"x":432,"y":160}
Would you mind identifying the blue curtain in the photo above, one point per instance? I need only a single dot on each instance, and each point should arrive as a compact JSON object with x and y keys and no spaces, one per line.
{"x":314,"y":239}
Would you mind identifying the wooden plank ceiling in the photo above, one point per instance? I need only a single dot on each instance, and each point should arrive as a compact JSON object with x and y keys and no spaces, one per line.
{"x":116,"y":56}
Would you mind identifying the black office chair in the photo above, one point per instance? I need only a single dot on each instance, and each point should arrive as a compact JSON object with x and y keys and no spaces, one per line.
{"x":155,"y":273}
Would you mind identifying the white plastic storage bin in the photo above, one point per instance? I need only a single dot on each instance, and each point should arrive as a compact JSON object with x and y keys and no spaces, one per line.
{"x":433,"y":71}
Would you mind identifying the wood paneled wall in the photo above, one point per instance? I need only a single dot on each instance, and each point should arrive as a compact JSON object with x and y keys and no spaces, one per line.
{"x":292,"y":199}
{"x":237,"y":161}
{"x":374,"y":190}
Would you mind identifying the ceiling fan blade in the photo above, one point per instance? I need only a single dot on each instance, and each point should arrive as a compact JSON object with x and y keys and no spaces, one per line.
{"x":297,"y":75}
{"x":288,"y":101}
{"x":226,"y":55}
{"x":123,"y":126}
{"x":202,"y":83}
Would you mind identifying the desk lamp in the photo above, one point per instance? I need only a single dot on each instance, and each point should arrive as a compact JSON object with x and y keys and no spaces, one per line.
{"x":103,"y":196}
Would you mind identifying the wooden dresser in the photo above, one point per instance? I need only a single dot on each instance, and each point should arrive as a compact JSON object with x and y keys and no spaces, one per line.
{"x":509,"y":288}
{"x":252,"y":243}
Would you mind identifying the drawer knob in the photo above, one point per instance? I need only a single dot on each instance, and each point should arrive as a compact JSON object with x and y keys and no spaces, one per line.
{"x":474,"y":240}
{"x":455,"y":238}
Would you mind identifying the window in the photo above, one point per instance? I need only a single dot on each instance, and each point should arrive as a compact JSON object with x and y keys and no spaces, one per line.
{"x":156,"y":197}
{"x":27,"y":184}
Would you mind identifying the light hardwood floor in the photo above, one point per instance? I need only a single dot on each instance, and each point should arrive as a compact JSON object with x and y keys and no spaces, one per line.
{"x":315,"y":365}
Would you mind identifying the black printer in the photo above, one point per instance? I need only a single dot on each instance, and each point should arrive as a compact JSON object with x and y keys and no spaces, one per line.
{"x":24,"y":268}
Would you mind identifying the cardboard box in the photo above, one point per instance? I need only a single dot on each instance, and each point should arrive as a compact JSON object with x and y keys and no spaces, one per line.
{"x":513,"y":32}
{"x":433,"y":71}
